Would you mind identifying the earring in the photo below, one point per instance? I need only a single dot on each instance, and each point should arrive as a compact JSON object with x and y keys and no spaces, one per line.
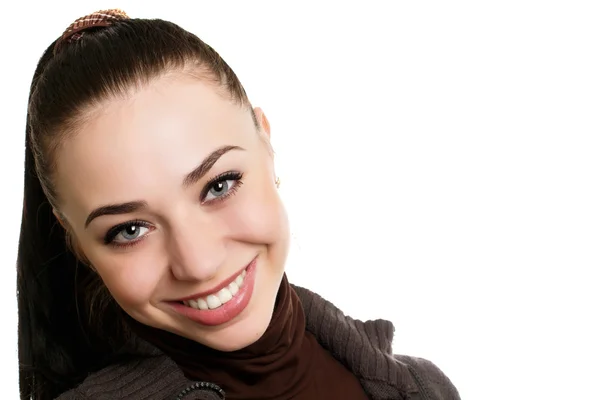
{"x":277,"y":182}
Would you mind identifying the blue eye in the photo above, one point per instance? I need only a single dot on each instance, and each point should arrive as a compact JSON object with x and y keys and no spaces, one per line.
{"x":127,"y":233}
{"x":221,"y":186}
{"x":131,"y":232}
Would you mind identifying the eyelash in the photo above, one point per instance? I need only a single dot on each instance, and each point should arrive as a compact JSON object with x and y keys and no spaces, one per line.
{"x":227,"y":176}
{"x":115,"y":230}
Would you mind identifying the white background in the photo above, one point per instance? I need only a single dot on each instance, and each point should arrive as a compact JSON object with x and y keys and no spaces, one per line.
{"x":439,"y":162}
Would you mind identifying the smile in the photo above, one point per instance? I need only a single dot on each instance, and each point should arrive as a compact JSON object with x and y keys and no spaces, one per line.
{"x":222,"y":303}
{"x":223,"y":296}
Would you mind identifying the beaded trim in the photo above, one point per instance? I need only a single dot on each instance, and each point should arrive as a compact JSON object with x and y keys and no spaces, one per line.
{"x":201,"y":386}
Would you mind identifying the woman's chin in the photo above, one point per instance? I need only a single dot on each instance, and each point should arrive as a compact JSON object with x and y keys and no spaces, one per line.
{"x":237,"y":334}
{"x":236,"y":337}
{"x":244,"y":330}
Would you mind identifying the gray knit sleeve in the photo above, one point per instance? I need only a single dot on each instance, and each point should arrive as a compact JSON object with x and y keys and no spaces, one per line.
{"x":431,"y":381}
{"x":151,"y":378}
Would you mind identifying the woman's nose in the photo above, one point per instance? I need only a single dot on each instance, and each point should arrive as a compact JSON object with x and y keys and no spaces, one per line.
{"x":196,"y":251}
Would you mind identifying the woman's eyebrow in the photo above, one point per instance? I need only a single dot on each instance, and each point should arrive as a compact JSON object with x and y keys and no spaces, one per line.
{"x":206,"y":165}
{"x":115,"y":209}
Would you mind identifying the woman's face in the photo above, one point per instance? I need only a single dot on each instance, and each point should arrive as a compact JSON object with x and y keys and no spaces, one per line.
{"x":170,"y":193}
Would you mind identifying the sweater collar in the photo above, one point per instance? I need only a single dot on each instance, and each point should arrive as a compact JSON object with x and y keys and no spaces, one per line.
{"x":363,"y":347}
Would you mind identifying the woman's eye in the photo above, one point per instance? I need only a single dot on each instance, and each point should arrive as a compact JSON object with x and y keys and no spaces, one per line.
{"x":130,"y":233}
{"x":219,"y":188}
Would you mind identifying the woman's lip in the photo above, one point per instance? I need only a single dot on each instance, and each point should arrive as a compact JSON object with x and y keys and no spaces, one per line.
{"x":215,"y":289}
{"x":227,"y":311}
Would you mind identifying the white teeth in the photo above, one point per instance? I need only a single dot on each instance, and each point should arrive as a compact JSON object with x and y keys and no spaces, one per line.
{"x":224,"y":295}
{"x":221,"y":297}
{"x":233,"y":288}
{"x":202,"y":304}
{"x":213,"y":302}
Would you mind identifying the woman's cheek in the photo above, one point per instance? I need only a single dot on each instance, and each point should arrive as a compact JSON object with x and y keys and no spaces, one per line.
{"x":131,"y":280}
{"x":258,"y":219}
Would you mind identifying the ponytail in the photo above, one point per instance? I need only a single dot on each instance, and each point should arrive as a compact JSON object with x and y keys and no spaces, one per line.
{"x":56,"y":348}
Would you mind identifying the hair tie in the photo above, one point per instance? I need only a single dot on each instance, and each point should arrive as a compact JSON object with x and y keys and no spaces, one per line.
{"x":94,"y":20}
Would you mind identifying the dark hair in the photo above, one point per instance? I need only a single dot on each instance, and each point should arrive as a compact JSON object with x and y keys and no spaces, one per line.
{"x":58,"y":343}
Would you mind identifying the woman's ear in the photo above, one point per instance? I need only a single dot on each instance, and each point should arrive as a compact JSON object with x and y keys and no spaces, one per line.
{"x":262,"y":120}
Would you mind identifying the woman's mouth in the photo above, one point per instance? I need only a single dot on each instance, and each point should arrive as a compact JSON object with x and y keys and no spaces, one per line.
{"x":223,"y":303}
{"x":216,"y":300}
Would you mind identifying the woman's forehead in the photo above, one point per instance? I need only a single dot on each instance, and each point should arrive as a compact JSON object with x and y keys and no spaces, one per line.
{"x":156,"y":136}
{"x":170,"y":106}
{"x":165,"y":117}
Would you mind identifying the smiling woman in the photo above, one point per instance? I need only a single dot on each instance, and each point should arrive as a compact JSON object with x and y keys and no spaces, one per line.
{"x":167,"y":278}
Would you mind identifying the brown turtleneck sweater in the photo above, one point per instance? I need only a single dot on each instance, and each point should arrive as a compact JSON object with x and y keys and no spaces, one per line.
{"x":287,"y":362}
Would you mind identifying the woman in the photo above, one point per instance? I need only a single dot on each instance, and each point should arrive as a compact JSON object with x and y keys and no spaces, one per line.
{"x":153,"y":241}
